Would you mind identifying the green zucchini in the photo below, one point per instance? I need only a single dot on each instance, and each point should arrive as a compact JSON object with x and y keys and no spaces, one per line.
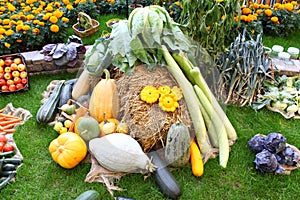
{"x":48,"y":110}
{"x":66,"y":92}
{"x":7,"y":154}
{"x":6,"y":173}
{"x":89,"y":195}
{"x":6,"y":180}
{"x":9,"y":167}
{"x":163,"y":177}
{"x":15,"y":161}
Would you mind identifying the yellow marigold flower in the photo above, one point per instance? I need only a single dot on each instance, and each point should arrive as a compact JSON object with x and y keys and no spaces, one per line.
{"x":276,"y":5}
{"x":35,"y":21}
{"x":1,"y":37}
{"x":255,"y":5}
{"x":54,"y":28}
{"x":168,"y":102}
{"x":65,"y":19}
{"x":57,"y":13}
{"x":289,"y":7}
{"x":53,"y":19}
{"x":69,"y":7}
{"x":57,"y":4}
{"x":281,"y":7}
{"x":274,"y":19}
{"x":30,"y":1}
{"x":41,"y":23}
{"x":36,"y":31}
{"x":47,"y":16}
{"x":42,"y":3}
{"x":259,"y":11}
{"x":27,"y":9}
{"x":14,"y":16}
{"x":30,"y":17}
{"x":49,"y":8}
{"x":19,"y":41}
{"x":268,"y":12}
{"x":66,"y":2}
{"x":246,"y":11}
{"x":7,"y":45}
{"x":294,"y":3}
{"x":11,"y":7}
{"x":2,"y":31}
{"x":19,"y":27}
{"x":164,"y":89}
{"x":6,"y":21}
{"x":26,"y":27}
{"x":223,"y":17}
{"x":2,"y":9}
{"x":9,"y":32}
{"x":149,"y":94}
{"x":82,"y":1}
{"x":252,"y":31}
{"x":6,"y":26}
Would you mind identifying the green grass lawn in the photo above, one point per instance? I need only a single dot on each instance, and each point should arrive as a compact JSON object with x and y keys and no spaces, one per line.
{"x":40,"y":178}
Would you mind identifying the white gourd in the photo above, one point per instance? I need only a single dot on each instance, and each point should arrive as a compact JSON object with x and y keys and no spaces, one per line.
{"x":119,"y":152}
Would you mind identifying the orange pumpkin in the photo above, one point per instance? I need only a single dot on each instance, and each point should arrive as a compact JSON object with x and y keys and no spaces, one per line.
{"x":105,"y":99}
{"x":68,"y":150}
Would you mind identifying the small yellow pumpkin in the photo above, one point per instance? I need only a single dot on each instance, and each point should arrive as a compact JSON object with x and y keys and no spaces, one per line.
{"x":68,"y":150}
{"x":105,"y":99}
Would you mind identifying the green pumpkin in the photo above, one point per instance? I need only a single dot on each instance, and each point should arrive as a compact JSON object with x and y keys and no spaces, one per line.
{"x":87,"y":128}
{"x":177,"y":149}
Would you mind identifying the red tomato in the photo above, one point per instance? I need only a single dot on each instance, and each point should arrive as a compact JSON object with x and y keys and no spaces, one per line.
{"x":8,"y":147}
{"x":1,"y":146}
{"x":3,"y":138}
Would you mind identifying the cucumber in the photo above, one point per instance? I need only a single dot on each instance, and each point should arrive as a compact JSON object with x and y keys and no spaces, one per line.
{"x":89,"y":195}
{"x":48,"y":110}
{"x":66,"y":92}
{"x":164,"y":179}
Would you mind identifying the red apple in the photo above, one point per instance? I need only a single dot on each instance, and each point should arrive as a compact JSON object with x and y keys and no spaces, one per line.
{"x":15,"y":73}
{"x":12,"y":87}
{"x":2,"y":82}
{"x":17,"y":60}
{"x":7,"y":75}
{"x":10,"y":82}
{"x":7,"y":69}
{"x":19,"y":86}
{"x":24,"y":80}
{"x":1,"y":75}
{"x":23,"y":74}
{"x":13,"y":67}
{"x":8,"y":61}
{"x":4,"y":88}
{"x":17,"y":80}
{"x":21,"y":67}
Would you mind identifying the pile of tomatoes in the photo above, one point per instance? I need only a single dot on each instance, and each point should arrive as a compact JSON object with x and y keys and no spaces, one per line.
{"x":13,"y":74}
{"x":4,"y":145}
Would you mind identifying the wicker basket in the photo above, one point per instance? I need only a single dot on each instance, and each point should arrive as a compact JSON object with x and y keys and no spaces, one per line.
{"x":89,"y":31}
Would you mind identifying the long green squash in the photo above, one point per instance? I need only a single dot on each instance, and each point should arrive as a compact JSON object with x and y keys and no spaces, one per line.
{"x":48,"y":110}
{"x":191,"y":101}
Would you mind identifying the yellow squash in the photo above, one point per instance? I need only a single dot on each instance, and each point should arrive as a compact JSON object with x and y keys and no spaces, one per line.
{"x":105,"y":99}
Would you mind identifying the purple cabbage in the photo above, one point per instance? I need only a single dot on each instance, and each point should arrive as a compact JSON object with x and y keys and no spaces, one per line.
{"x":288,"y":156}
{"x":275,"y":142}
{"x":256,"y":143}
{"x":266,"y":162}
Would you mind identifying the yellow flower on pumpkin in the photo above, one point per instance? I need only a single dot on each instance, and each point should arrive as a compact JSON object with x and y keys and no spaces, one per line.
{"x":149,"y":94}
{"x":164,"y":89}
{"x":54,"y":28}
{"x":168,"y":102}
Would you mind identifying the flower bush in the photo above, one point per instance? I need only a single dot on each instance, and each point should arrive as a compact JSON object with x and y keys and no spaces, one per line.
{"x":30,"y":24}
{"x":280,"y":20}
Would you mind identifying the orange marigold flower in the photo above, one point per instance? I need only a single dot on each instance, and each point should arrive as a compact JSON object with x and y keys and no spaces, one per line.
{"x":281,"y":7}
{"x":41,"y":23}
{"x":47,"y":16}
{"x":30,"y":1}
{"x":276,"y":5}
{"x":6,"y":21}
{"x":289,"y":7}
{"x":294,"y":3}
{"x":2,"y":31}
{"x":35,"y":21}
{"x":9,"y":32}
{"x":49,"y":8}
{"x":53,"y":19}
{"x":246,"y":11}
{"x":54,"y":28}
{"x":69,"y":7}
{"x":2,"y":9}
{"x":66,"y":2}
{"x":57,"y":13}
{"x":19,"y":27}
{"x":30,"y":17}
{"x":268,"y":12}
{"x":19,"y":41}
{"x":274,"y":19}
{"x":259,"y":11}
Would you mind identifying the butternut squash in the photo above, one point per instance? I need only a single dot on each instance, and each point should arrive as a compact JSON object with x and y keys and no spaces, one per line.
{"x":105,"y":99}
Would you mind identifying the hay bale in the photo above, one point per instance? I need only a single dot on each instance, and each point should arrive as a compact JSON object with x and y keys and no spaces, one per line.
{"x":148,"y":123}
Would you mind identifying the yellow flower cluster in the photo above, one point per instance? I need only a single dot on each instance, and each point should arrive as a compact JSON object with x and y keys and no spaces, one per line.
{"x":167,"y":98}
{"x":25,"y":19}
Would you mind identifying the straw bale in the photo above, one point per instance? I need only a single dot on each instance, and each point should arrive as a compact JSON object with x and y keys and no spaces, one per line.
{"x":148,"y":123}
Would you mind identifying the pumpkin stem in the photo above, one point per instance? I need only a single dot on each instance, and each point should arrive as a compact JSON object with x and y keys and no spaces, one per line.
{"x":107,"y":74}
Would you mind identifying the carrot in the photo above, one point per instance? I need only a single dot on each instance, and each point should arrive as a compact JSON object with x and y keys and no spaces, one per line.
{"x":8,"y":116}
{"x":12,"y":121}
{"x":9,"y":130}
